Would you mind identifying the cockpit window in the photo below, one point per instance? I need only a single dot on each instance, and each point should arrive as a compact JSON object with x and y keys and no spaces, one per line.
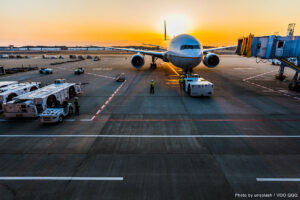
{"x":189,"y":47}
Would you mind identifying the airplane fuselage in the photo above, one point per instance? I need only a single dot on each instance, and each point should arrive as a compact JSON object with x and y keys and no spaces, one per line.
{"x":185,"y":52}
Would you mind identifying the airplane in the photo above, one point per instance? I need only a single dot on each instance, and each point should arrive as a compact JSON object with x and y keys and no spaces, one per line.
{"x":184,"y":51}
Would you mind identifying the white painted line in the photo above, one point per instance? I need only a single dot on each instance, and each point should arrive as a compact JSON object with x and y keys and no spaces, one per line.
{"x":107,"y":101}
{"x":58,"y":178}
{"x":252,"y":77}
{"x":85,"y":120}
{"x":279,"y":92}
{"x":278,"y":179}
{"x":149,"y":136}
{"x":69,"y":120}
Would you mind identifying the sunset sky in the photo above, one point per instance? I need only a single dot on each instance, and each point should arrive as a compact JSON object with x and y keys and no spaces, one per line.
{"x":125,"y":22}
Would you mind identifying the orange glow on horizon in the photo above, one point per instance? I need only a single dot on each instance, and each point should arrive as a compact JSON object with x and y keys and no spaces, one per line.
{"x":134,"y":22}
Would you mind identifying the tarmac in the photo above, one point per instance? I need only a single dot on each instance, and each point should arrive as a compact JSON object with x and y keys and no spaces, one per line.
{"x":128,"y":144}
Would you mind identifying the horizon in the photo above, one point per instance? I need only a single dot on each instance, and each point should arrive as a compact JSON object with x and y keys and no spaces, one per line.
{"x":102,"y":23}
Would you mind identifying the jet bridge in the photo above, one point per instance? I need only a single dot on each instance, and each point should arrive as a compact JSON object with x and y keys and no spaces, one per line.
{"x":283,"y":48}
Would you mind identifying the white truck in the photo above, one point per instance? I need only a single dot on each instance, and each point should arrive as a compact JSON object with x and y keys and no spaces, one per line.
{"x":196,"y":86}
{"x":44,"y":70}
{"x":34,"y":103}
{"x":9,"y":92}
{"x":57,"y":114}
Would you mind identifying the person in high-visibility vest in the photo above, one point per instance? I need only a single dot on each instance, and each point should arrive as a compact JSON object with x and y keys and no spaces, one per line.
{"x":152,"y":87}
{"x":181,"y":81}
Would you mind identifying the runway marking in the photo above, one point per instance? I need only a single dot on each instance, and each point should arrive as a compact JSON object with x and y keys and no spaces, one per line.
{"x":103,"y":76}
{"x":85,"y":120}
{"x":259,"y":75}
{"x":107,"y":102}
{"x":167,"y":120}
{"x":69,"y":120}
{"x":200,"y":120}
{"x":278,"y":179}
{"x":173,"y":69}
{"x":149,"y":136}
{"x":58,"y":178}
{"x":279,"y":92}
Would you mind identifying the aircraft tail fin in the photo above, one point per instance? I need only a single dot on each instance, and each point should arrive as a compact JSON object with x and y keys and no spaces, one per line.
{"x":165,"y":29}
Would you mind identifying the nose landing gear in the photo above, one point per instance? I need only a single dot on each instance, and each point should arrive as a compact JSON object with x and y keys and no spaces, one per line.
{"x":153,"y":64}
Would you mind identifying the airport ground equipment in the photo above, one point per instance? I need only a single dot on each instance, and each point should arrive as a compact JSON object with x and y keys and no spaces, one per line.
{"x":78,"y":71}
{"x":196,"y":86}
{"x":97,"y":58}
{"x":4,"y":56}
{"x":32,"y":104}
{"x":285,"y":49}
{"x":7,"y":83}
{"x":120,"y":77}
{"x":44,"y":70}
{"x":57,"y":114}
{"x":9,"y":92}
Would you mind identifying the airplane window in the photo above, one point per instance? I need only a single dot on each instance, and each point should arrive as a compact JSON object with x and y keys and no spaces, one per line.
{"x":189,"y":47}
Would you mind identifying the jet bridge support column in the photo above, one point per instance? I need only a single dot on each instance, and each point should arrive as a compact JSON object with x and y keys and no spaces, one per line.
{"x":281,"y":75}
{"x":295,"y":85}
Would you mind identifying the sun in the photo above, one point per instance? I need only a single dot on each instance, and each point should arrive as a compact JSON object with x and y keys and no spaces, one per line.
{"x":177,"y":24}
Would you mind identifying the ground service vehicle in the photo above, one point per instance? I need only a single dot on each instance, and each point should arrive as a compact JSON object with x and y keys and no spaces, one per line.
{"x":57,"y":114}
{"x":44,"y":70}
{"x":97,"y":58}
{"x":9,"y":92}
{"x":7,"y":83}
{"x":196,"y":86}
{"x":78,"y":71}
{"x":32,"y":104}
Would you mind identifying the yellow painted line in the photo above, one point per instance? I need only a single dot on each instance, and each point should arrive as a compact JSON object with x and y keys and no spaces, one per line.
{"x":173,"y":69}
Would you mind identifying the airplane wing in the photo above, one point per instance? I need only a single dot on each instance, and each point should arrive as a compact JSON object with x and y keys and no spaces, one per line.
{"x":218,"y":48}
{"x":150,"y":53}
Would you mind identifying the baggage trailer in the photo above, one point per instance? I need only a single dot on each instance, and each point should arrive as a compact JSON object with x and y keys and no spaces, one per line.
{"x":34,"y":103}
{"x":9,"y":92}
{"x":196,"y":86}
{"x":7,"y":83}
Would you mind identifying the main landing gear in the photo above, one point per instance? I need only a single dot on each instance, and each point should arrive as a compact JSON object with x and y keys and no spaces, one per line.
{"x":153,"y":64}
{"x":188,"y":70}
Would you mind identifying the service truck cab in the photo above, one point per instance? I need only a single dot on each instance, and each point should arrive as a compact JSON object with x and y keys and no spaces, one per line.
{"x":9,"y":92}
{"x":57,"y":114}
{"x":196,"y":86}
{"x":32,"y":104}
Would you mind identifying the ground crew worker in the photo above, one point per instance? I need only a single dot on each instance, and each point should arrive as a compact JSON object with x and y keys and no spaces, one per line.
{"x":181,"y":81}
{"x":76,"y":104}
{"x":152,"y":87}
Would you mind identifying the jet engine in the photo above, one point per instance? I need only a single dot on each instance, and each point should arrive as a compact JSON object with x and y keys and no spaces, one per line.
{"x":211,"y":60}
{"x":137,"y":61}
